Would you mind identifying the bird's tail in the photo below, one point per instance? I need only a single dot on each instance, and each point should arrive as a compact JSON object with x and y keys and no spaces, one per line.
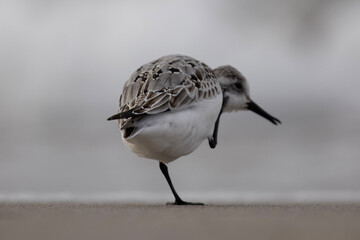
{"x":121,"y":115}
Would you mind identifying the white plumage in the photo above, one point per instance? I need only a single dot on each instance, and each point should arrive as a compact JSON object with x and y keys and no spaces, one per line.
{"x":170,"y":135}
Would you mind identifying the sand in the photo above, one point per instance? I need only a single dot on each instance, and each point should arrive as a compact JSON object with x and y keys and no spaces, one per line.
{"x":128,"y":221}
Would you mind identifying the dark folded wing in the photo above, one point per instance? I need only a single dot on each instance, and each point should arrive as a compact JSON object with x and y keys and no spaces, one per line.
{"x":170,"y":83}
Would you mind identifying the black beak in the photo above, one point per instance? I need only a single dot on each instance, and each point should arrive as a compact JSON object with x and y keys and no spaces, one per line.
{"x":256,"y":109}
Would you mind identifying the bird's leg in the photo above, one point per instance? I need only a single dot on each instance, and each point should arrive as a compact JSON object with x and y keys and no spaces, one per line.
{"x":178,"y":200}
{"x":213,"y":139}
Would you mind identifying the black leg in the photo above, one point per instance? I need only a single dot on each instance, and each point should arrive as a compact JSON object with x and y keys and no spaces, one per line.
{"x":178,"y":200}
{"x":213,"y":139}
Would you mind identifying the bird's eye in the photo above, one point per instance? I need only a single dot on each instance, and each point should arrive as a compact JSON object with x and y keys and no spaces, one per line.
{"x":238,"y":86}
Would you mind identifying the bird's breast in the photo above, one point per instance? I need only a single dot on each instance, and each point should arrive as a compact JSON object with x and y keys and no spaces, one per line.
{"x":170,"y":135}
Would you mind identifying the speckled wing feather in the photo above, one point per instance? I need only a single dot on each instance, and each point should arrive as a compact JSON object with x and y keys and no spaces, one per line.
{"x":169,"y":83}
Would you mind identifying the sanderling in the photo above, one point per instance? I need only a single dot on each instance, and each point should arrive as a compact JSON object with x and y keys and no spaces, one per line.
{"x":170,"y":105}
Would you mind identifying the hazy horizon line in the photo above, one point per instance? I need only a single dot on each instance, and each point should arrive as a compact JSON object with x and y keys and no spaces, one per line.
{"x":208,"y":197}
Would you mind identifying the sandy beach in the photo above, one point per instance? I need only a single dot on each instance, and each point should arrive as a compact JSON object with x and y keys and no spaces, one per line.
{"x":141,"y":221}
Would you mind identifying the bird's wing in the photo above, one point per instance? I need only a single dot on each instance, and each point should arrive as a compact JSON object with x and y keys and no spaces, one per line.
{"x":170,"y":83}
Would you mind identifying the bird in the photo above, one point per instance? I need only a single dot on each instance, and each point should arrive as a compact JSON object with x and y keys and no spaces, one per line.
{"x":169,"y":106}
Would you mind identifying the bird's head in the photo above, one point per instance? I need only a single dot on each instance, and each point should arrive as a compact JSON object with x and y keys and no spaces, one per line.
{"x":236,"y":93}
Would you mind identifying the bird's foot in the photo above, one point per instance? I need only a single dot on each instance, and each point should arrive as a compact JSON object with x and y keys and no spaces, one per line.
{"x":181,"y":202}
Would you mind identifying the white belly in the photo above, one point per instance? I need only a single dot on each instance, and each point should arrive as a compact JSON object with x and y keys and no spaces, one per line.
{"x":170,"y":135}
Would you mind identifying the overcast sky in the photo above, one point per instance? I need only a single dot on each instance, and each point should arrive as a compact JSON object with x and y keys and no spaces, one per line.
{"x":63,"y":64}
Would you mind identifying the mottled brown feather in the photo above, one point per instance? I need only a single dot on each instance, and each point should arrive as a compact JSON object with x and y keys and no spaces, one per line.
{"x":169,"y":83}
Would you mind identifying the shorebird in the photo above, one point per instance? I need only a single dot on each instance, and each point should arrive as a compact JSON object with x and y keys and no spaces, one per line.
{"x":170,"y":105}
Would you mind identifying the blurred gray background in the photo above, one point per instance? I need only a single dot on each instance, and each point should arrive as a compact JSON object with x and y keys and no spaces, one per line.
{"x":63,"y":65}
